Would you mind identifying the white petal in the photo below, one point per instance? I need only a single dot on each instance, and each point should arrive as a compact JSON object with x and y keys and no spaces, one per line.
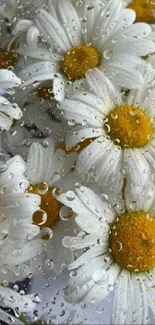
{"x":37,"y":72}
{"x":91,"y":154}
{"x":99,"y":292}
{"x":8,"y":79}
{"x":53,"y":31}
{"x":95,"y":206}
{"x":28,"y":251}
{"x":78,"y":134}
{"x":5,"y":122}
{"x":93,"y":252}
{"x":76,"y":204}
{"x":136,"y":167}
{"x":35,"y":164}
{"x":108,"y":168}
{"x":70,"y":21}
{"x":58,"y":88}
{"x":22,"y":26}
{"x":22,"y":302}
{"x":81,"y":113}
{"x":11,"y":110}
{"x":78,"y":243}
{"x":86,"y":271}
{"x":104,"y":89}
{"x":32,"y":36}
{"x":39,"y":53}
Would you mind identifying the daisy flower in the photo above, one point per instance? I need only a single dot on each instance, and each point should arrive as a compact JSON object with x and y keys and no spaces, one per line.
{"x":121,"y":129}
{"x":19,"y":244}
{"x":46,"y":167}
{"x":19,"y":237}
{"x":75,"y":41}
{"x":117,"y":237}
{"x":8,"y":111}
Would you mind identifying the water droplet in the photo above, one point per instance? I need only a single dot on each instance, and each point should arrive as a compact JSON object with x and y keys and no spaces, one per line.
{"x":46,"y":233}
{"x":42,"y":188}
{"x":70,"y":195}
{"x":66,"y":213}
{"x":39,"y":217}
{"x":17,"y":252}
{"x":73,"y":273}
{"x":100,"y":277}
{"x":49,"y":264}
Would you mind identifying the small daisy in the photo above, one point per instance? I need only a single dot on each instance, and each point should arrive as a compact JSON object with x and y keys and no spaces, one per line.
{"x":144,"y":9}
{"x":121,"y":129}
{"x":118,"y":238}
{"x":75,"y":41}
{"x":18,"y":237}
{"x":44,"y":169}
{"x":8,"y":111}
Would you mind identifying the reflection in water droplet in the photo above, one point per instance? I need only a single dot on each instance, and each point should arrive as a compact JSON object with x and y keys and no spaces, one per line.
{"x":66,"y":213}
{"x":49,"y":264}
{"x":42,"y":188}
{"x":39,"y":217}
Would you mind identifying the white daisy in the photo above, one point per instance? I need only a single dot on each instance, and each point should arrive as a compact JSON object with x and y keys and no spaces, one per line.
{"x":19,"y":243}
{"x":8,"y":111}
{"x":118,"y":239}
{"x":121,"y":129}
{"x":45,"y":167}
{"x":74,"y":42}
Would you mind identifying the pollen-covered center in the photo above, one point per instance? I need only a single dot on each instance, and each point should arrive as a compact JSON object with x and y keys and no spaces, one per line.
{"x":49,"y":205}
{"x":144,"y":10}
{"x":7,"y":57}
{"x":128,"y":127}
{"x":45,"y":92}
{"x":132,"y":241}
{"x":78,"y":60}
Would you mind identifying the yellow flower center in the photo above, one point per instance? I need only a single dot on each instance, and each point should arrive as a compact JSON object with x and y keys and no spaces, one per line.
{"x":132,"y":241}
{"x":8,"y":58}
{"x":49,"y":205}
{"x":45,"y":92}
{"x":78,"y":60}
{"x":128,"y":127}
{"x":144,"y":10}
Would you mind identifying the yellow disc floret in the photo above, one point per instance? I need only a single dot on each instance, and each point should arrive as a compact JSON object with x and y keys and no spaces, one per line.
{"x":48,"y":204}
{"x":78,"y":60}
{"x":7,"y":57}
{"x":132,"y":241}
{"x":144,"y":10}
{"x":128,"y":127}
{"x":45,"y":92}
